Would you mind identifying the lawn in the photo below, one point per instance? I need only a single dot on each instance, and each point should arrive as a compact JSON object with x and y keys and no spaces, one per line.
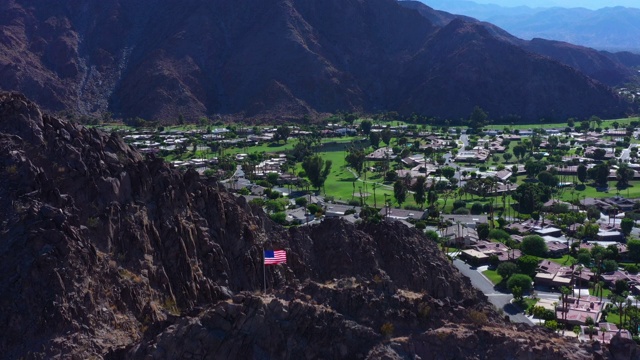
{"x":341,"y":183}
{"x":563,"y":260}
{"x":527,"y":303}
{"x":589,"y":191}
{"x":493,"y":276}
{"x":605,"y":293}
{"x":605,"y":123}
{"x":267,"y":148}
{"x":613,"y":317}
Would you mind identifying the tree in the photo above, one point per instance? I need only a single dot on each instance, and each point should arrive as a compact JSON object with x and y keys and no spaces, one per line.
{"x":598,"y":154}
{"x":494,"y":261}
{"x":551,"y":325}
{"x":365,"y":126}
{"x":419,"y":194}
{"x":279,"y":217}
{"x":400,"y":191}
{"x":582,"y":173}
{"x":499,"y":234}
{"x":355,"y":158}
{"x":565,"y":292}
{"x":519,"y":280}
{"x":519,"y":151}
{"x":506,"y":269}
{"x":483,"y":231}
{"x":477,"y":120}
{"x":633,"y":246}
{"x":528,"y":264}
{"x":517,"y":292}
{"x":432,"y":235}
{"x":282,"y":133}
{"x":432,"y":196}
{"x":599,"y":174}
{"x":317,"y":170}
{"x":391,"y":176}
{"x":588,"y":231}
{"x":448,"y":172}
{"x":272,"y":178}
{"x":530,"y":196}
{"x":626,"y":225}
{"x":609,"y":265}
{"x":584,"y":258}
{"x":350,"y":118}
{"x":374,"y":139}
{"x":624,"y":174}
{"x":632,"y":269}
{"x":533,"y":168}
{"x":548,"y":179}
{"x":593,"y":213}
{"x":476,"y":208}
{"x":302,"y":201}
{"x":385,"y":135}
{"x":533,"y":245}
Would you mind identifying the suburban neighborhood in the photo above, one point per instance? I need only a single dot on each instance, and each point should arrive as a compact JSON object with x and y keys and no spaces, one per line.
{"x":547,"y":216}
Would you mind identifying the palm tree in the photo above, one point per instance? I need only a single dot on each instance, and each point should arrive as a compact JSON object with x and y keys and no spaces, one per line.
{"x":565,"y":291}
{"x":601,"y":287}
{"x":603,"y":330}
{"x":626,"y":313}
{"x":579,"y":269}
{"x":620,"y":302}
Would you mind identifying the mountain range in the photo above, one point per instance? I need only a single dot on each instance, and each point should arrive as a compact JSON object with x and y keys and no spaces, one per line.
{"x":611,"y":28}
{"x":278,"y":60}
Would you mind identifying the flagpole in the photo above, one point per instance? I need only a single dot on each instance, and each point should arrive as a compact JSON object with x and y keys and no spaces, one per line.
{"x":264,"y":271}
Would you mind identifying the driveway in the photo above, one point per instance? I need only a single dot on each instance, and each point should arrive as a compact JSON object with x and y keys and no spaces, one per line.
{"x":499,"y":299}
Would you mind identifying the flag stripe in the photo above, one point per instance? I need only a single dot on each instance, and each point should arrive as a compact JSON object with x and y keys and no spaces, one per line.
{"x":272,"y":257}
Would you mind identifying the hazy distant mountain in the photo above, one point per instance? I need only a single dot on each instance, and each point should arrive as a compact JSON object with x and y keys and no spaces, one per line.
{"x":589,"y":4}
{"x":273,"y":59}
{"x":610,"y":68}
{"x":613,"y":28}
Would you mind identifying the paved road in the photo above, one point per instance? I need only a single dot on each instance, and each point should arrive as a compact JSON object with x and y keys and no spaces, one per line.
{"x":497,"y":298}
{"x":625,"y":155}
{"x":465,"y":139}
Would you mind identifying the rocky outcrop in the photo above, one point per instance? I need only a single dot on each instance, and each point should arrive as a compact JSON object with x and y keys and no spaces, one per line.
{"x":111,"y":254}
{"x":284,"y":59}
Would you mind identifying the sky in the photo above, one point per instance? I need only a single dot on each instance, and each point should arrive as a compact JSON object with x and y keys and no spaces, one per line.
{"x":589,"y":4}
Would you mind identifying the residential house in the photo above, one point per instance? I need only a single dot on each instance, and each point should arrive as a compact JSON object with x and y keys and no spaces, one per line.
{"x":481,"y":252}
{"x":610,"y":330}
{"x":299,"y":216}
{"x":470,"y":221}
{"x":401,"y":214}
{"x":577,"y":311}
{"x":381,"y":154}
{"x":460,"y":236}
{"x":479,"y":155}
{"x":339,"y":210}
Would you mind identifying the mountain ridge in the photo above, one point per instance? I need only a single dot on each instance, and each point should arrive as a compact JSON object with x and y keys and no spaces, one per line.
{"x":269,"y":61}
{"x":609,"y":28}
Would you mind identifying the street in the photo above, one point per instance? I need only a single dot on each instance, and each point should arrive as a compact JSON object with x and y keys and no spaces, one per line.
{"x":499,"y":299}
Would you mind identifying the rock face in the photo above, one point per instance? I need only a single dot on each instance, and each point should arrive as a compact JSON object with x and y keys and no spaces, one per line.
{"x":284,"y":59}
{"x":110,"y":254}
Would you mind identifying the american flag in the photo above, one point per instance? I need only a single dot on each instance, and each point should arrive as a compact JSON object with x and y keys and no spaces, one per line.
{"x":273,"y":257}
